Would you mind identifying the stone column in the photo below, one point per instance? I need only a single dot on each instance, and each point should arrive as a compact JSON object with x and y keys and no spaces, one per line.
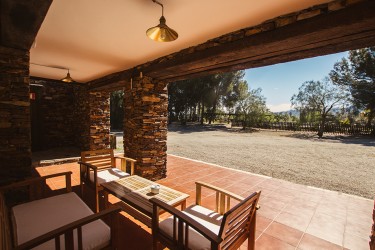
{"x":99,"y":120}
{"x":93,"y":119}
{"x":15,"y":139}
{"x":82,"y":118}
{"x":145,"y":126}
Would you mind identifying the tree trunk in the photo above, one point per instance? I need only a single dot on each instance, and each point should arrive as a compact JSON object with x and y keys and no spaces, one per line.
{"x":322,"y":124}
{"x":244,"y":120}
{"x":199,"y":112}
{"x":370,"y":117}
{"x":202,"y":113}
{"x":183,"y":122}
{"x":213,"y":113}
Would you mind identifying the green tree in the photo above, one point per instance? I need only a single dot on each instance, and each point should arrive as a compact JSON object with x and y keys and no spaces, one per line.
{"x":358,"y":74}
{"x":319,"y":96}
{"x":239,"y":91}
{"x":284,"y":117}
{"x":183,"y":99}
{"x":220,"y":88}
{"x":202,"y":88}
{"x":117,"y":109}
{"x":187,"y":99}
{"x":206,"y":95}
{"x":251,"y":106}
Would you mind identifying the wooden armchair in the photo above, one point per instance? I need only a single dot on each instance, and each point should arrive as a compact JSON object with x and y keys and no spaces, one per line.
{"x":99,"y":166}
{"x":200,"y":228}
{"x":58,"y":222}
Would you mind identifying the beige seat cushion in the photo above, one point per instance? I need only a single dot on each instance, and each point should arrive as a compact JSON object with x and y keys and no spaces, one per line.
{"x":203,"y":216}
{"x":38,"y":217}
{"x":108,"y":175}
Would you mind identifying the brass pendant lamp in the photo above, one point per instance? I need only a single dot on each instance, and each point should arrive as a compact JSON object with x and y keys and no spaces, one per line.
{"x":67,"y":78}
{"x":161,"y":32}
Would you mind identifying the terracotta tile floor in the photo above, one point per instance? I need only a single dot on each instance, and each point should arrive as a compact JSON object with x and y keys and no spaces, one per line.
{"x":292,"y":216}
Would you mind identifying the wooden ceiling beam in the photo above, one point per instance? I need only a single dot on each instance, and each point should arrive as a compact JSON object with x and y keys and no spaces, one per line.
{"x":321,"y":30}
{"x":20,"y":21}
{"x":330,"y":46}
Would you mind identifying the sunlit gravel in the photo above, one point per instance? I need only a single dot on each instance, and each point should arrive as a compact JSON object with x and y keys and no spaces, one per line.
{"x":339,"y":163}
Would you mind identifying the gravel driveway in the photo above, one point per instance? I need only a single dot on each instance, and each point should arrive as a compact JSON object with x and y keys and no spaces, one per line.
{"x":339,"y":163}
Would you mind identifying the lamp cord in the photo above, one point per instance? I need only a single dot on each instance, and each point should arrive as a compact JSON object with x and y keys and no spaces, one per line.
{"x":53,"y":67}
{"x":162,"y":7}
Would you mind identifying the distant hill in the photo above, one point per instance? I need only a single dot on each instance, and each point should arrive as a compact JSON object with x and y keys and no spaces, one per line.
{"x":334,"y":111}
{"x":292,"y":112}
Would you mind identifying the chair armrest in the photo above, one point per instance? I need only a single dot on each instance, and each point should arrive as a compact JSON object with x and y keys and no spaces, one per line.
{"x":125,"y":158}
{"x":35,"y":180}
{"x":123,"y":163}
{"x":89,"y":165}
{"x":85,"y":171}
{"x":182,"y":218}
{"x":212,"y":187}
{"x":223,"y":197}
{"x":67,"y":228}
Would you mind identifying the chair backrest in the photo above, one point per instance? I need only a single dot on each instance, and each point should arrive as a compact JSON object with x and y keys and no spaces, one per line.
{"x":5,"y":235}
{"x":238,"y":223}
{"x":102,"y":158}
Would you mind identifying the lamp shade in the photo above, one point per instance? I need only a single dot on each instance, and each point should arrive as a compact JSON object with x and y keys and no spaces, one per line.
{"x":67,"y":78}
{"x":161,"y":32}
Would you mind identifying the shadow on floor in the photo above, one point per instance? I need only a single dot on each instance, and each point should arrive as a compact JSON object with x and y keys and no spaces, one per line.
{"x":368,"y":141}
{"x":196,"y":127}
{"x":55,"y":156}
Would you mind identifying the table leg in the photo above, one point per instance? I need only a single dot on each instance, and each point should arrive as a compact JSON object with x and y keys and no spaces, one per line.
{"x":106,"y":201}
{"x":183,"y":205}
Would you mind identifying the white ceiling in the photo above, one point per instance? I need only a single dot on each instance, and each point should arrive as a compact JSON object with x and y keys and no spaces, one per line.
{"x":94,"y":38}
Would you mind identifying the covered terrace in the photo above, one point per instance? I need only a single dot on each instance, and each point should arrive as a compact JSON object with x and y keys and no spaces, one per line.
{"x":291,"y":216}
{"x":104,"y":47}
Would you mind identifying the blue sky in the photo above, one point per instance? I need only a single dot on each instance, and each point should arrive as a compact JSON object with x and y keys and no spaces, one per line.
{"x":279,"y":82}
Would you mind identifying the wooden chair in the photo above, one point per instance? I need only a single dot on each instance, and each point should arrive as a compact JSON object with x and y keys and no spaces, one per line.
{"x":61,"y":221}
{"x":197,"y":227}
{"x":99,"y":166}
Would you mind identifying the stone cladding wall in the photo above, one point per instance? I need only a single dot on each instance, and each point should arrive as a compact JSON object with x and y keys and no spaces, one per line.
{"x":145,"y":126}
{"x":71,"y":115}
{"x":15,"y":143}
{"x":99,"y":120}
{"x":56,"y":112}
{"x":82,"y":122}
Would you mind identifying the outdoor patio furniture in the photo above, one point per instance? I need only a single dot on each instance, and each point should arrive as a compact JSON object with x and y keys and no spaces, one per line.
{"x":61,"y":221}
{"x":198,"y":227}
{"x":99,"y":166}
{"x":136,"y":192}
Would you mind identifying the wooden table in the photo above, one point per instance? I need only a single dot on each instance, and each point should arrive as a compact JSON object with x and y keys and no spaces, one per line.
{"x":135,"y":192}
